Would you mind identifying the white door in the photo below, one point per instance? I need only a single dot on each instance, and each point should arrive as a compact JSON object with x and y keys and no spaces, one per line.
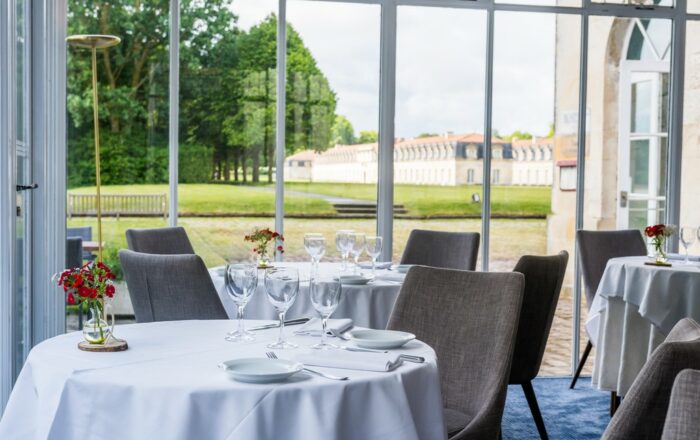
{"x":643,"y":143}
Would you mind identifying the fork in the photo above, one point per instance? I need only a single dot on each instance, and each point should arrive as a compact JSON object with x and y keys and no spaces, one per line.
{"x":272,"y":355}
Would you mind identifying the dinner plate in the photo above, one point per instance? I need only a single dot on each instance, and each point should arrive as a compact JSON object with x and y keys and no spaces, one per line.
{"x":380,"y":339}
{"x":403,"y":268}
{"x":357,"y":280}
{"x":378,"y":266}
{"x":261,"y":370}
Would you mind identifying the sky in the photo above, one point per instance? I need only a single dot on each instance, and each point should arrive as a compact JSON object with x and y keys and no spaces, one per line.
{"x":440,"y":64}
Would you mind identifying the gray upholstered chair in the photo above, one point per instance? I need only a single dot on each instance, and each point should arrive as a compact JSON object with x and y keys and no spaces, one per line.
{"x":543,"y":279}
{"x":170,"y":287}
{"x":448,"y":250}
{"x":74,"y":252}
{"x":683,"y":417}
{"x":643,"y":411}
{"x":595,"y":248}
{"x":162,"y":241}
{"x":470,"y":319}
{"x":84,"y":232}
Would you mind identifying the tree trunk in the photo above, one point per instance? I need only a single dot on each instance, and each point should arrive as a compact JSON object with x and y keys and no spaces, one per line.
{"x":243,"y":163}
{"x":256,"y":164}
{"x":236,"y":155}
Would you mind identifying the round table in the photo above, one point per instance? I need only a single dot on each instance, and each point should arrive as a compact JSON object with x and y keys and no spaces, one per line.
{"x":167,"y":385}
{"x":368,"y":305}
{"x":635,"y":307}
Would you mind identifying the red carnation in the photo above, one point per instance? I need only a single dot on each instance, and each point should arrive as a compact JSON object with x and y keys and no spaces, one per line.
{"x":71,"y":299}
{"x":109,"y":290}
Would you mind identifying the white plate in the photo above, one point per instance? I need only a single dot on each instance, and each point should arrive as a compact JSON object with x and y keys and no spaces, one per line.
{"x":380,"y":339}
{"x":356,"y":280}
{"x":403,"y":268}
{"x":378,"y":266}
{"x":261,"y":370}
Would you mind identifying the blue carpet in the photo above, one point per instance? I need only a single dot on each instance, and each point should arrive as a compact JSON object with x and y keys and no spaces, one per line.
{"x":578,"y":414}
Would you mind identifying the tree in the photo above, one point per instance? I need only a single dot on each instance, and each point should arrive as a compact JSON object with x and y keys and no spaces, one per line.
{"x":426,"y":135}
{"x":343,"y":132}
{"x":367,"y":137}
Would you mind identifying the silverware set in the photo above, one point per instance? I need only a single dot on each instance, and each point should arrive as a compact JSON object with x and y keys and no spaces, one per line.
{"x":272,"y":355}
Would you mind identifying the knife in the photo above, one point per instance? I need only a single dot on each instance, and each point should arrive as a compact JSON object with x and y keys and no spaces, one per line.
{"x":276,"y":325}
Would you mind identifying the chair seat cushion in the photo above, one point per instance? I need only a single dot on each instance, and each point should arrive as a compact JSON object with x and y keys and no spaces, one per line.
{"x":455,"y":421}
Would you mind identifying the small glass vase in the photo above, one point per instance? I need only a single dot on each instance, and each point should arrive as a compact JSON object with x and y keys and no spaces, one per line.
{"x":263,"y":260}
{"x":659,"y":253}
{"x":96,"y":330}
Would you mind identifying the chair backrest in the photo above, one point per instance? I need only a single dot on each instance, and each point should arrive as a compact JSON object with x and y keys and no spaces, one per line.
{"x":74,"y":252}
{"x":683,"y":416}
{"x":170,"y":287}
{"x":470,"y":319}
{"x":162,"y":241}
{"x":643,"y":410}
{"x":84,"y":232}
{"x":448,"y":250}
{"x":595,"y":248}
{"x":543,"y":280}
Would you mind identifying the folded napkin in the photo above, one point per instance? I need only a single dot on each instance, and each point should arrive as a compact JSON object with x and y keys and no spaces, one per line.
{"x":348,"y":360}
{"x":391,"y":276}
{"x":313,"y":327}
{"x":682,"y":257}
{"x":380,"y":265}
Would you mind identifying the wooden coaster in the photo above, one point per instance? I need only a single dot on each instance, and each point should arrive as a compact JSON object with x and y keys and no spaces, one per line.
{"x":110,"y":346}
{"x":652,"y":263}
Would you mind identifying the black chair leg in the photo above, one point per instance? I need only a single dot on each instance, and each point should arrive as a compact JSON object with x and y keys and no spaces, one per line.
{"x":581,"y":363}
{"x":614,"y":403}
{"x":535,"y":409}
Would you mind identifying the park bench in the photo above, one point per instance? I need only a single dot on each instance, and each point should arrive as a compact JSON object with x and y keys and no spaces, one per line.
{"x":118,"y":205}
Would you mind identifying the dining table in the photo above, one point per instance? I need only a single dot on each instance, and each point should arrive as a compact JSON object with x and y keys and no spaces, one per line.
{"x":368,"y":305}
{"x":169,"y":384}
{"x":635,"y":307}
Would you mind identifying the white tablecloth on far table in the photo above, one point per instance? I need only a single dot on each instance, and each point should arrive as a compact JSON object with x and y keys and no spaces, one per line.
{"x":635,"y":307}
{"x":368,"y":306}
{"x":168,"y":386}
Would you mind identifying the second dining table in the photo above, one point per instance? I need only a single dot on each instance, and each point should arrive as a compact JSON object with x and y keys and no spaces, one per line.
{"x":368,"y":305}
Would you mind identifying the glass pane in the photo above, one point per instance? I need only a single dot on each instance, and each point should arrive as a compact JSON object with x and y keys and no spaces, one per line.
{"x":438,"y":166}
{"x":690,"y":163}
{"x":533,"y":206}
{"x":639,"y":166}
{"x":228,"y":95}
{"x":641,"y":106}
{"x":693,"y":7}
{"x":571,"y":3}
{"x":332,"y":122}
{"x":637,"y":2}
{"x":133,"y":103}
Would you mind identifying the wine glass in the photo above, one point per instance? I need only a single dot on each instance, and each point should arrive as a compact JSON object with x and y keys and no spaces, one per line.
{"x":315,"y":245}
{"x":241,"y":284}
{"x":325,"y":297}
{"x":374,"y":249}
{"x":687,"y":236}
{"x":282,"y":286}
{"x":342,"y":243}
{"x":357,"y":246}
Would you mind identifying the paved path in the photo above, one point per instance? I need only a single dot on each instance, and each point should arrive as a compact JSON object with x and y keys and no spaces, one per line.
{"x":330,"y":199}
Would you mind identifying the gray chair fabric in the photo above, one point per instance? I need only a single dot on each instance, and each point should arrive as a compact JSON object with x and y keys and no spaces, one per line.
{"x":643,"y":411}
{"x":170,"y":287}
{"x":74,"y":252}
{"x":543,"y":280}
{"x":470,"y":319}
{"x":448,"y":250}
{"x":683,"y":417}
{"x":162,"y":241}
{"x":84,"y":232}
{"x":595,"y":248}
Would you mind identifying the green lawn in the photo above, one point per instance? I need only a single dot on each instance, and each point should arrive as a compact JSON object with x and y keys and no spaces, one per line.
{"x":421,"y":200}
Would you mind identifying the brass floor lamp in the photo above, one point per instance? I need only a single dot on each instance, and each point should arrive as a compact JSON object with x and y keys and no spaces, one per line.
{"x":95,"y":42}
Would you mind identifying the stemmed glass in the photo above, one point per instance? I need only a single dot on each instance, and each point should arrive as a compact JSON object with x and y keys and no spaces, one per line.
{"x":315,"y":245}
{"x":325,"y":297}
{"x":342,"y":243}
{"x":687,"y":236}
{"x":374,"y":249}
{"x":357,"y":246}
{"x":241,"y":284}
{"x":282,"y":286}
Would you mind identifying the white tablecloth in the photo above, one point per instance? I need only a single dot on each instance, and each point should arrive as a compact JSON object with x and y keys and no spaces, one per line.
{"x":168,"y":386}
{"x":368,"y":306}
{"x":635,"y":307}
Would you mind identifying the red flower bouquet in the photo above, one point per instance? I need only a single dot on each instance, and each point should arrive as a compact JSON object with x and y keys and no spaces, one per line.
{"x":261,"y":238}
{"x":658,"y":235}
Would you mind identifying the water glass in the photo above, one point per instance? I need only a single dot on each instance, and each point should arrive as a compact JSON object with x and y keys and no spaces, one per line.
{"x":241,"y":284}
{"x":374,"y":250}
{"x":325,"y":296}
{"x":315,"y":245}
{"x":282,"y":286}
{"x":342,"y":243}
{"x":687,"y":236}
{"x":357,"y":247}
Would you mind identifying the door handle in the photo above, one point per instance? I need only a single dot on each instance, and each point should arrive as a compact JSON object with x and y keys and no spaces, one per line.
{"x":27,"y":187}
{"x":623,"y":199}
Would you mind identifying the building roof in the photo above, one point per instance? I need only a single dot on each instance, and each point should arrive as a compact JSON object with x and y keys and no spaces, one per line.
{"x":303,"y":155}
